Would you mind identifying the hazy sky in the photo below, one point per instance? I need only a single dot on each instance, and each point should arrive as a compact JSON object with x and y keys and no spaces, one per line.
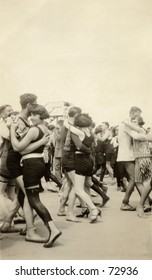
{"x":96,"y":54}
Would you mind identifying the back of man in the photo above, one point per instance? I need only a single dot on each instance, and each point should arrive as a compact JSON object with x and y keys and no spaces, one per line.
{"x":126,"y":156}
{"x":125,"y":149}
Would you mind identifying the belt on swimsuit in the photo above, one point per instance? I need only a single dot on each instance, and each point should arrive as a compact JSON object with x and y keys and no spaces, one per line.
{"x":32,"y":155}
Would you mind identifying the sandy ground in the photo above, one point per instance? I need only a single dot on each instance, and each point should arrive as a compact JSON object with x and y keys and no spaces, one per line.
{"x":116,"y":235}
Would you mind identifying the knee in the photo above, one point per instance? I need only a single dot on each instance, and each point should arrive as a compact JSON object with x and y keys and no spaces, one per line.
{"x":131,"y":179}
{"x":21,"y":197}
{"x":77,"y":191}
{"x":30,"y":198}
{"x":88,"y":184}
{"x":131,"y":182}
{"x":108,"y":164}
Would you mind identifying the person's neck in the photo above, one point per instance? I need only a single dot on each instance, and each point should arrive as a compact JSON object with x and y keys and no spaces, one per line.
{"x":4,"y":119}
{"x":71,"y":120}
{"x":41,"y":124}
{"x":24,"y":114}
{"x":105,"y":130}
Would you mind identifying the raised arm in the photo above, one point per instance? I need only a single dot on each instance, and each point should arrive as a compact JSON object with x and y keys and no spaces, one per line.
{"x":4,"y":131}
{"x":80,"y":146}
{"x":74,"y":130}
{"x":133,"y":126}
{"x":105,"y":136}
{"x":136,"y":136}
{"x":148,"y":137}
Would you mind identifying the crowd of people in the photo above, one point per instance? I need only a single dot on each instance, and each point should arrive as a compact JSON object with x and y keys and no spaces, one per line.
{"x":76,"y":155}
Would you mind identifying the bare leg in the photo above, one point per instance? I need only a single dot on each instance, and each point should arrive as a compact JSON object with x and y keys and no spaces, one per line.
{"x":64,"y":199}
{"x":130,"y":169}
{"x":5,"y":202}
{"x":11,"y":190}
{"x":80,"y":191}
{"x":144,"y":195}
{"x":28,"y":213}
{"x":6,"y":227}
{"x":110,"y":170}
{"x":72,"y":195}
{"x":54,"y":234}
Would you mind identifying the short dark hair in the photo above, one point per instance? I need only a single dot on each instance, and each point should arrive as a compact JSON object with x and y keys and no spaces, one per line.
{"x":113,"y":130}
{"x":83,"y":120}
{"x":27,"y":98}
{"x":98,"y":129}
{"x":51,"y":126}
{"x":106,"y":123}
{"x":141,"y":121}
{"x":134,"y":110}
{"x":93,"y":125}
{"x":60,"y":122}
{"x":73,"y":111}
{"x":40,"y":110}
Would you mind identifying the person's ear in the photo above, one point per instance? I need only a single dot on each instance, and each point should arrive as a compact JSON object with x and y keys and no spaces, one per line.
{"x":28,"y":106}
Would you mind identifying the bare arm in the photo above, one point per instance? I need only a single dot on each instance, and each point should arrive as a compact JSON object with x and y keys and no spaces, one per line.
{"x":4,"y":131}
{"x":35,"y":145}
{"x":133,"y":126}
{"x":98,"y":136}
{"x":57,"y":136}
{"x":74,"y":130}
{"x":148,"y":137}
{"x":80,"y":146}
{"x":105,"y":136}
{"x":29,"y":137}
{"x":136,"y":136}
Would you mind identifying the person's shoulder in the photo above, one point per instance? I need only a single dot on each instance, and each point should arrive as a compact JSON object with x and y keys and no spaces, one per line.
{"x":63,"y":129}
{"x":2,"y":124}
{"x":123,"y":128}
{"x":18,"y":119}
{"x":33,"y":129}
{"x":122,"y":124}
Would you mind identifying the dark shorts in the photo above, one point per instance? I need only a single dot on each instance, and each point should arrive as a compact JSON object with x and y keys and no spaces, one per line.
{"x":33,"y":171}
{"x":68,"y":161}
{"x":108,"y":150}
{"x":100,"y":159}
{"x":83,"y":164}
{"x":13,"y":164}
{"x":4,"y":172}
{"x":109,"y":157}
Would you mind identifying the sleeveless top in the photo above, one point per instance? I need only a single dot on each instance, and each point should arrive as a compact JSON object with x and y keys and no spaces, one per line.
{"x":87,"y":141}
{"x":18,"y":135}
{"x":40,"y":149}
{"x":67,"y":144}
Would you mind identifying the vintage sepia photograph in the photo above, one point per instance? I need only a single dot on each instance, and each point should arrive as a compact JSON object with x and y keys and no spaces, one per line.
{"x":75,"y":130}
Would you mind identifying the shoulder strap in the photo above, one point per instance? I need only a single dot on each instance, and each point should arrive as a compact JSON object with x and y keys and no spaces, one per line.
{"x":26,"y":124}
{"x":67,"y":143}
